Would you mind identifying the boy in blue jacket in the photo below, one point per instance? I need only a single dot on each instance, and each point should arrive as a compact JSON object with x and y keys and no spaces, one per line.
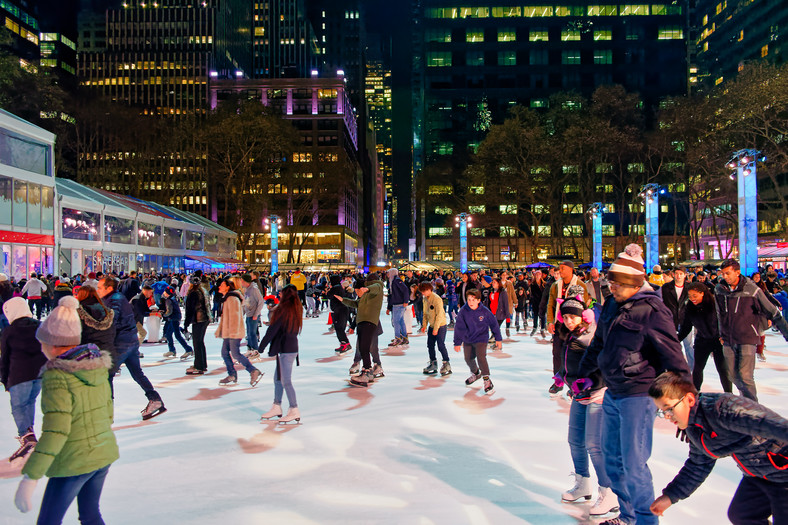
{"x":719,"y":425}
{"x":471,"y":332}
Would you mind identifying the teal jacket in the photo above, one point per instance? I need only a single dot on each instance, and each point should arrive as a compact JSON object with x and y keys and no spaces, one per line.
{"x":77,"y":435}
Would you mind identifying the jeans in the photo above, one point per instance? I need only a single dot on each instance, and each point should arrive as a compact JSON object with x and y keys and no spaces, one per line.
{"x":283,"y":379}
{"x":440,"y":339}
{"x":231,"y":350}
{"x":740,"y":360}
{"x":198,"y":338}
{"x":172,"y":327}
{"x":585,"y":439}
{"x":539,"y":318}
{"x":23,"y":404}
{"x":398,"y":321}
{"x":452,"y":309}
{"x":627,"y":432}
{"x":518,"y":315}
{"x":756,"y":499}
{"x":476,"y":353}
{"x":689,"y":351}
{"x":130,"y":355}
{"x":251,"y":334}
{"x":60,"y":492}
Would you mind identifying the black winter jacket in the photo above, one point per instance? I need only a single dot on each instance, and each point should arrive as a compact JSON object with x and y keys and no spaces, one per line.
{"x":739,"y":312}
{"x":196,"y":308}
{"x":634,"y":342}
{"x":140,"y":306}
{"x":676,"y":305}
{"x":702,"y":317}
{"x":60,"y":291}
{"x":125,"y":323}
{"x":574,"y":345}
{"x":723,"y":425}
{"x":281,"y":341}
{"x":21,"y":357}
{"x":97,"y":326}
{"x":399,"y":293}
{"x":338,"y":309}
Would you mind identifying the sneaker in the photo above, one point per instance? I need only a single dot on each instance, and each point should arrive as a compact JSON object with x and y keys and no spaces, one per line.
{"x":254,"y":377}
{"x":445,"y":368}
{"x":554,"y":389}
{"x":605,"y":503}
{"x":488,"y":386}
{"x":355,"y":368}
{"x":153,"y":409}
{"x":187,"y":355}
{"x":169,"y":354}
{"x":229,"y":381}
{"x":431,"y":368}
{"x":27,"y":443}
{"x":474,"y":377}
{"x":377,"y":371}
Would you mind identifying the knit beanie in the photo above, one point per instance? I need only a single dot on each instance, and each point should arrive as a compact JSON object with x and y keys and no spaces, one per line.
{"x":572,"y":307}
{"x":628,"y":267}
{"x":62,"y":327}
{"x":16,"y":308}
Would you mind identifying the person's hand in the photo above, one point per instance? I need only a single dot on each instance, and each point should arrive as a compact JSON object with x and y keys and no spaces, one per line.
{"x":388,"y":312}
{"x":681,"y":435}
{"x":422,"y":329}
{"x":24,"y":494}
{"x":457,"y":348}
{"x":660,"y":505}
{"x":721,"y":342}
{"x":339,"y":297}
{"x":434,"y":331}
{"x":254,"y":318}
{"x":551,"y":328}
{"x":498,"y":345}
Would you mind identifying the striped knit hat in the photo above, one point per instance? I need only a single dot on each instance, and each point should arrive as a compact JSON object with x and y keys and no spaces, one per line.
{"x":628,"y":268}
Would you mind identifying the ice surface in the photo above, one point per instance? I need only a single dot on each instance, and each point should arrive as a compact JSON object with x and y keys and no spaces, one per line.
{"x":411,"y":449}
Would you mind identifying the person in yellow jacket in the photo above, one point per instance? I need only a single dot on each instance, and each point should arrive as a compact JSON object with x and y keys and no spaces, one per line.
{"x":298,"y":280}
{"x":434,"y":323}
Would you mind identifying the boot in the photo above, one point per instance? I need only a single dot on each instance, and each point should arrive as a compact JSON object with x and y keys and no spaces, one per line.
{"x":431,"y":368}
{"x":27,"y":443}
{"x":355,"y":368}
{"x":489,"y":389}
{"x":605,"y":502}
{"x":292,"y":415}
{"x":255,"y":376}
{"x":473,"y":377}
{"x":533,"y":332}
{"x":377,"y":371}
{"x":581,"y":490}
{"x":168,"y":354}
{"x":445,"y":368}
{"x":554,"y":389}
{"x":229,"y":381}
{"x":276,"y":411}
{"x":153,"y":409}
{"x":364,"y":378}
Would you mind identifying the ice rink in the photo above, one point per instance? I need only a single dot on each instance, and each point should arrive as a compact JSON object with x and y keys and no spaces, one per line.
{"x":411,"y":449}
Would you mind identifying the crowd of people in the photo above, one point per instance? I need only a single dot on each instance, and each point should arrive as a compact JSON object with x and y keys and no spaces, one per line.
{"x":622,"y":343}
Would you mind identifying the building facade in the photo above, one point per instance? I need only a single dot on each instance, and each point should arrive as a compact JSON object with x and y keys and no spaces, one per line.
{"x":285,"y":45}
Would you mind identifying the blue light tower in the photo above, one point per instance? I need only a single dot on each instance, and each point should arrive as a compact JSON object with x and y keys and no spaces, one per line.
{"x":650,"y":194}
{"x":273,"y":221}
{"x":595,"y":211}
{"x":744,"y":163}
{"x":463,"y":221}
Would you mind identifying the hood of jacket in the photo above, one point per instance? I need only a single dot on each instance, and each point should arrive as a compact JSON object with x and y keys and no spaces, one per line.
{"x":646,"y":292}
{"x":96,"y":316}
{"x":83,"y":362}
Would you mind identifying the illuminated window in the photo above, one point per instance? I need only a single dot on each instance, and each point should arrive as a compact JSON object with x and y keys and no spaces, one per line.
{"x":570,"y":57}
{"x":474,"y":35}
{"x":603,"y":34}
{"x":634,"y":9}
{"x":474,"y":12}
{"x":532,"y":11}
{"x":439,"y":190}
{"x":718,"y":81}
{"x":637,"y":229}
{"x":442,"y":210}
{"x":439,"y":232}
{"x":764,"y":50}
{"x":476,"y":190}
{"x":670,"y":33}
{"x":438,"y":59}
{"x":538,"y":103}
{"x":602,"y":10}
{"x":603,"y":56}
{"x":542,"y":231}
{"x":574,"y":230}
{"x":442,"y":12}
{"x":608,"y":230}
{"x":507,"y":58}
{"x":570,"y":35}
{"x":508,"y":209}
{"x":481,"y":208}
{"x":507,"y":12}
{"x":508,"y":231}
{"x":507,"y":35}
{"x":538,"y":35}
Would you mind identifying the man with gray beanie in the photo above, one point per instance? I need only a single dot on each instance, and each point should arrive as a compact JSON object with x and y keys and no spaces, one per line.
{"x":399,"y":296}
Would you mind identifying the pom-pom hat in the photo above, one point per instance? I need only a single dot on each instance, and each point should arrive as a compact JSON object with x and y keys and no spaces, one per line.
{"x":62,"y":327}
{"x":628,"y":267}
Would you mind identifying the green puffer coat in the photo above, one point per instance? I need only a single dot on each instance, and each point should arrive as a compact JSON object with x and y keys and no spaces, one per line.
{"x":76,"y":437}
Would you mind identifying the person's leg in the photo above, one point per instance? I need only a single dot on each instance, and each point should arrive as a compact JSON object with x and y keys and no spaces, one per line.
{"x":141,"y":332}
{"x":689,"y":351}
{"x":750,"y":504}
{"x":778,"y":497}
{"x":431,"y":340}
{"x":557,"y":353}
{"x":278,"y":388}
{"x":131,"y":357}
{"x":702,"y":351}
{"x":469,"y":353}
{"x":611,"y":451}
{"x":481,"y":358}
{"x":251,"y":334}
{"x":722,"y":369}
{"x":176,"y":330}
{"x":200,"y":353}
{"x":577,"y":438}
{"x":58,"y":495}
{"x":235,"y":352}
{"x":340,"y":322}
{"x":89,"y":496}
{"x":228,"y":361}
{"x":441,"y":340}
{"x":366,"y":332}
{"x":593,"y":439}
{"x":398,"y":320}
{"x":374,"y":347}
{"x":637,"y":427}
{"x":23,"y":404}
{"x":746,"y":367}
{"x":169,"y":329}
{"x":732,"y":365}
{"x":285,"y":364}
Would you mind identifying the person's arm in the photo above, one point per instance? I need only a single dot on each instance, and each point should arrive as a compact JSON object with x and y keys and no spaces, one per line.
{"x":745,"y":416}
{"x":493,"y":323}
{"x":460,"y":328}
{"x":588,"y":363}
{"x":350,"y":303}
{"x":5,"y":357}
{"x":685,"y":326}
{"x":696,"y":469}
{"x":771,"y":312}
{"x":270,"y":333}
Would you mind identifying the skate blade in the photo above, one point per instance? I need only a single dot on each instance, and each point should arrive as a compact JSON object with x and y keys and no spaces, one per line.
{"x":491,"y":392}
{"x":358,"y":385}
{"x":270,"y":418}
{"x":615,"y":511}
{"x":579,"y":501}
{"x":293,"y":422}
{"x":446,"y":374}
{"x":228,"y":384}
{"x":154,"y":414}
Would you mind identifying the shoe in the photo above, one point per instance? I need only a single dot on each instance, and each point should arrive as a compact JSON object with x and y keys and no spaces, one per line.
{"x":541,"y":332}
{"x":255,"y":376}
{"x":516,"y":328}
{"x":276,"y":411}
{"x":474,"y":377}
{"x":431,"y":368}
{"x":445,"y":368}
{"x":140,"y":355}
{"x":154,"y":408}
{"x":396,"y":341}
{"x":364,"y":378}
{"x":377,"y":371}
{"x":355,"y":368}
{"x":191,"y":371}
{"x":187,"y":355}
{"x":489,"y":389}
{"x":169,"y":354}
{"x":554,"y":389}
{"x":507,"y":333}
{"x":27,"y":443}
{"x":533,"y":332}
{"x":581,"y":490}
{"x":605,"y":503}
{"x":229,"y":381}
{"x":344,"y":347}
{"x":292,"y":415}
{"x":404,"y":342}
{"x":252,"y":354}
{"x":451,"y":324}
{"x":761,"y":357}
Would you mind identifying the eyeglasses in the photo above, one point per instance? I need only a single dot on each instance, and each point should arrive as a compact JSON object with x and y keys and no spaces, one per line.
{"x":668,"y":412}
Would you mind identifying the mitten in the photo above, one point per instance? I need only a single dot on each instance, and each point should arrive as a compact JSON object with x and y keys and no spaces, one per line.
{"x":24,"y":494}
{"x":579,"y":385}
{"x":558,"y":380}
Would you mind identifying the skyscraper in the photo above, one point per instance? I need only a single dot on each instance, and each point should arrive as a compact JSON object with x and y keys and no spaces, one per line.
{"x":285,"y":45}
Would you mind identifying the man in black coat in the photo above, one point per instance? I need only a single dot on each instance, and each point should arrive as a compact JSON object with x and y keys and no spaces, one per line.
{"x":674,"y":295}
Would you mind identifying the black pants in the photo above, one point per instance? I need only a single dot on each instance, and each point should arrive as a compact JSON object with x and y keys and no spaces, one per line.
{"x":374,"y":349}
{"x":703,"y":349}
{"x":476,"y":358}
{"x":36,"y":307}
{"x":198,"y":341}
{"x":367,"y":334}
{"x":756,"y":499}
{"x":302,"y":296}
{"x":340,"y":323}
{"x":558,"y":354}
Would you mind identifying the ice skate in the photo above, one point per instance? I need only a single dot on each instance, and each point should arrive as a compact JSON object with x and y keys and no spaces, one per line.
{"x":293,"y":417}
{"x":153,"y":409}
{"x":606,"y":502}
{"x":541,"y":332}
{"x":187,"y":355}
{"x":533,"y":332}
{"x":168,"y":354}
{"x":580,"y":491}
{"x":395,"y":342}
{"x":614,"y":521}
{"x":431,"y":368}
{"x":191,"y":371}
{"x":343,"y":348}
{"x":255,"y":376}
{"x":354,"y":369}
{"x":252,"y":354}
{"x":489,"y":389}
{"x":377,"y":371}
{"x":27,"y":443}
{"x":761,"y":357}
{"x":445,"y":369}
{"x":474,"y":377}
{"x":404,"y":342}
{"x":229,"y":381}
{"x":364,"y":378}
{"x":276,"y":411}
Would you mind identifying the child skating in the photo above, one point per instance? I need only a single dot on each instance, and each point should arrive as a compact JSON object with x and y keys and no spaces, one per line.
{"x":471,"y":331}
{"x":434,"y":323}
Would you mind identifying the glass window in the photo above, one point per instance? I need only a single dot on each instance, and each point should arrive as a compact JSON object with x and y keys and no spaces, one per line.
{"x":570,"y":35}
{"x":566,"y":10}
{"x":192,"y":240}
{"x":6,"y":192}
{"x":474,"y":58}
{"x":47,"y":208}
{"x":608,"y":230}
{"x":439,"y":232}
{"x":532,"y":11}
{"x":634,"y":9}
{"x":148,"y":234}
{"x":118,"y":230}
{"x":507,"y":12}
{"x":508,"y":209}
{"x":507,"y":58}
{"x":602,"y":10}
{"x":603,"y":56}
{"x":603,"y":34}
{"x":24,"y":153}
{"x":507,"y":35}
{"x":437,"y":35}
{"x":538,"y":57}
{"x":474,"y":12}
{"x":34,"y":259}
{"x":172,"y":238}
{"x":481,"y":208}
{"x":81,"y":225}
{"x":570,"y":57}
{"x":538,"y":35}
{"x":211,"y":242}
{"x":438,"y":59}
{"x":19,"y":262}
{"x":20,"y":203}
{"x":33,"y":206}
{"x":670,"y":33}
{"x":474,"y":35}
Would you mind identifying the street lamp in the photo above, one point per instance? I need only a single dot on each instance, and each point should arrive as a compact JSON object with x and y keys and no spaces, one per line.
{"x":650,"y":194}
{"x":595,"y":211}
{"x":743,"y":162}
{"x":273,"y":221}
{"x":462,"y":221}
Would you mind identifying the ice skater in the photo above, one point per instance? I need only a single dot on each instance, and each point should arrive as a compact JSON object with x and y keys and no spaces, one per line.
{"x":471,"y":332}
{"x":434,"y":323}
{"x":368,"y":305}
{"x":231,"y":330}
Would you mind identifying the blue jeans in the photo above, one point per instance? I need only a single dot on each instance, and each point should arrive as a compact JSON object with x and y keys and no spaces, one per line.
{"x":23,"y":404}
{"x":689,"y":351}
{"x":440,"y":339}
{"x":131,"y":356}
{"x":627,"y":431}
{"x":585,"y":439}
{"x":230,"y":350}
{"x":740,"y":361}
{"x":172,"y":327}
{"x":283,"y":379}
{"x":60,"y":492}
{"x":452,"y":309}
{"x":398,"y":321}
{"x":251,"y":334}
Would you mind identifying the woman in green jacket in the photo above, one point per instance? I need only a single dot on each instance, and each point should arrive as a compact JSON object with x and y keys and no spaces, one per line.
{"x":77,"y":445}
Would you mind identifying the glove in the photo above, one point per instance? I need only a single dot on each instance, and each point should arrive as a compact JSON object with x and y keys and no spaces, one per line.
{"x":681,"y":435}
{"x":579,"y":385}
{"x":24,"y":494}
{"x":558,"y":381}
